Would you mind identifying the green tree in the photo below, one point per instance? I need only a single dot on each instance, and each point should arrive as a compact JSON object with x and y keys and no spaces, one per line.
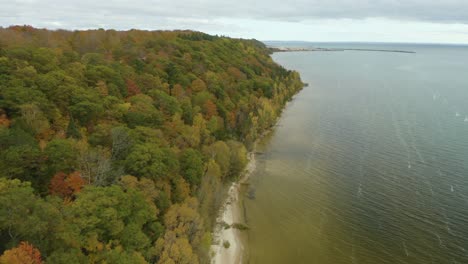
{"x":103,"y":217}
{"x":86,"y":111}
{"x":72,"y":130}
{"x":238,"y":160}
{"x":44,"y":60}
{"x":61,"y":155}
{"x":15,"y":136}
{"x":185,"y":221}
{"x":220,"y":152}
{"x":17,"y":201}
{"x":33,"y":119}
{"x":165,"y":103}
{"x":22,"y":162}
{"x":210,"y":193}
{"x":150,"y":161}
{"x":143,"y":113}
{"x":66,"y":256}
{"x":174,"y":249}
{"x":191,"y":166}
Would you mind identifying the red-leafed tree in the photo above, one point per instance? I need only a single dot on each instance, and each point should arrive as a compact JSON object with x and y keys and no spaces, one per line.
{"x":66,"y":186}
{"x":75,"y":182}
{"x":24,"y":28}
{"x":58,"y":186}
{"x":132,"y":88}
{"x":4,"y":121}
{"x":25,"y":253}
{"x":209,"y":109}
{"x":178,"y":91}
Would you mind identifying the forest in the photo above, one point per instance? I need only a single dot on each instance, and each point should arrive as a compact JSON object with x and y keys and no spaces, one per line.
{"x":116,"y":146}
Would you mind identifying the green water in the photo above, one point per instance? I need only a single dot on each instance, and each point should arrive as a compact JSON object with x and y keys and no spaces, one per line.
{"x":368,"y":164}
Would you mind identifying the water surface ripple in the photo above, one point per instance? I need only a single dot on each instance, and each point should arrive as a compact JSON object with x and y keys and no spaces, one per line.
{"x":369,"y":164}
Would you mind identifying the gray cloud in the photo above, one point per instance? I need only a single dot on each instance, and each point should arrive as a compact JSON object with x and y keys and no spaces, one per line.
{"x":207,"y":13}
{"x":216,"y":16}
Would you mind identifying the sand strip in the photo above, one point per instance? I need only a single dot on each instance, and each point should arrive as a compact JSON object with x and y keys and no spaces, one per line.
{"x":231,"y":213}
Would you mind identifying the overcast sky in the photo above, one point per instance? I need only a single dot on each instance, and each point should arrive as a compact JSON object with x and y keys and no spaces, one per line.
{"x":440,"y":21}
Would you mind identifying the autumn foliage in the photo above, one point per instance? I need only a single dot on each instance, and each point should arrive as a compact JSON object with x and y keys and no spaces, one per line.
{"x":210,"y":109}
{"x":25,"y":253}
{"x":4,"y":121}
{"x":79,"y":110}
{"x":66,"y":186}
{"x":132,"y":88}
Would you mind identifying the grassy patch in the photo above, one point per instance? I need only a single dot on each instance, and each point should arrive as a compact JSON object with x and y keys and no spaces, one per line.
{"x":240,"y":226}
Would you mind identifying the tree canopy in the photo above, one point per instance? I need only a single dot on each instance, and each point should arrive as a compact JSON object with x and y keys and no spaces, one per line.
{"x":115,"y":145}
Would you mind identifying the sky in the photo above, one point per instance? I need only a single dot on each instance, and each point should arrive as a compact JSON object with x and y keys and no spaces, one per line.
{"x":420,"y":21}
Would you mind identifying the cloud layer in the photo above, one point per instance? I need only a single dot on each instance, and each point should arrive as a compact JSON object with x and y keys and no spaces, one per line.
{"x":217,"y":16}
{"x":87,"y":12}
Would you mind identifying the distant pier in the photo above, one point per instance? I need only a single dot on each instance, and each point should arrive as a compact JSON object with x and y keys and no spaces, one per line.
{"x":295,"y":49}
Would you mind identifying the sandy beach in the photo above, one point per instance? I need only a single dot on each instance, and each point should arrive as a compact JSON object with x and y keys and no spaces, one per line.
{"x":231,"y":212}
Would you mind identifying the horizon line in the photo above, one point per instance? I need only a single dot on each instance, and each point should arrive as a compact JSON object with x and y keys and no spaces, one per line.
{"x":370,"y":42}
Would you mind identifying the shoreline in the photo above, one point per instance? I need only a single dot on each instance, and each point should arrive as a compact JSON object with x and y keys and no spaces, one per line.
{"x":231,"y":213}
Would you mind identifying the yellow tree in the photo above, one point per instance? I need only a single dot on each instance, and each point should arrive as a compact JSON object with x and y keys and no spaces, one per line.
{"x":25,"y":253}
{"x":198,"y":85}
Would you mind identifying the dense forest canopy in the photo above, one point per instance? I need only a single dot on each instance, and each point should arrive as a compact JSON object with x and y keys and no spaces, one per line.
{"x":115,"y":145}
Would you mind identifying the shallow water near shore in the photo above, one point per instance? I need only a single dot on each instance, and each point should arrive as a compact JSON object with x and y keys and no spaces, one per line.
{"x":368,"y":164}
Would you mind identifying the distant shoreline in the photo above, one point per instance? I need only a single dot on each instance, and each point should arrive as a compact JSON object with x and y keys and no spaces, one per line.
{"x":290,"y":49}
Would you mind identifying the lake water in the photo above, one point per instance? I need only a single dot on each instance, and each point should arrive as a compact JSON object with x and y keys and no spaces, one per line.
{"x":369,"y":163}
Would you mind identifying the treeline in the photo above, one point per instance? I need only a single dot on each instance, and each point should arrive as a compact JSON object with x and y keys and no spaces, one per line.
{"x":114,"y":145}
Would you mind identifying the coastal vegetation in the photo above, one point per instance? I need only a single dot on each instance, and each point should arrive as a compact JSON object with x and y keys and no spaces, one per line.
{"x":115,"y":146}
